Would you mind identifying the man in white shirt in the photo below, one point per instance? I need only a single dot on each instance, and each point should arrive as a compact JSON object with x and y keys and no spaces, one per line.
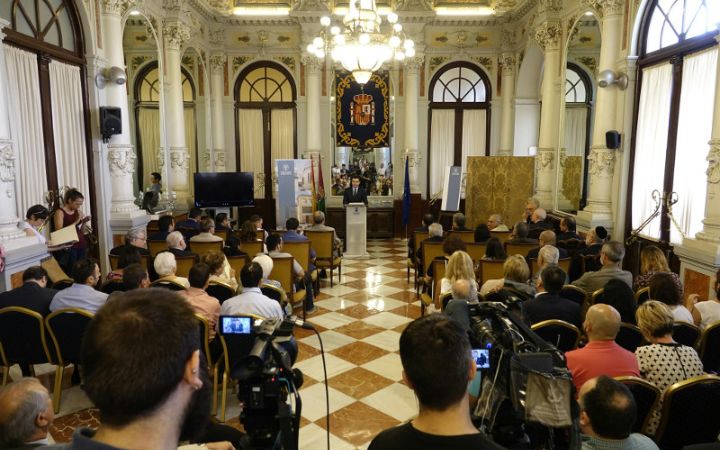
{"x":252,"y":300}
{"x":82,"y":294}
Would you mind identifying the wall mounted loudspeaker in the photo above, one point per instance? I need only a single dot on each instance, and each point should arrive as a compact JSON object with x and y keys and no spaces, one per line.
{"x":612,"y":140}
{"x":110,"y":122}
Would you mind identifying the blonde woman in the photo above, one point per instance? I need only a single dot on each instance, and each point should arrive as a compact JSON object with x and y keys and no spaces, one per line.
{"x":459,"y":267}
{"x":664,"y":362}
{"x":517,"y":274}
{"x":652,"y":261}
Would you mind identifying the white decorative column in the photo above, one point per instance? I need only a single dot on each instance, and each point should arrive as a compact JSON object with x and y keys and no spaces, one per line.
{"x":124,"y":214}
{"x":175,"y":34}
{"x":412,"y":67}
{"x":601,"y":161}
{"x":547,"y":35}
{"x":507,"y":122}
{"x":217,"y":90}
{"x":313,"y":78}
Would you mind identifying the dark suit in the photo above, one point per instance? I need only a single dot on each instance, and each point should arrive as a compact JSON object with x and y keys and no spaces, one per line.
{"x":31,"y":296}
{"x":522,"y":241}
{"x":178,"y":252}
{"x":564,"y":236}
{"x":360,"y":197}
{"x":158,"y":236}
{"x":533,"y":253}
{"x":116,"y":250}
{"x":547,"y":306}
{"x":535,"y":229}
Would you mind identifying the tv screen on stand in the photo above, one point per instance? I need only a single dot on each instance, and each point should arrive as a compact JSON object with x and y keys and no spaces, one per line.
{"x":224,"y":189}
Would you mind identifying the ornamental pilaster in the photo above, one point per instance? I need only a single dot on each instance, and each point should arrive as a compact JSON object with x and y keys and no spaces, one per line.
{"x":7,"y":162}
{"x":413,"y":65}
{"x":217,"y":62}
{"x":602,"y":161}
{"x":312,"y":64}
{"x":121,"y":159}
{"x":713,"y":159}
{"x":507,"y":63}
{"x":547,"y":35}
{"x":176,"y":34}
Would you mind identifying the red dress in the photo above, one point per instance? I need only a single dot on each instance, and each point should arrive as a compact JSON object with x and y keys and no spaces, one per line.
{"x":69,"y":219}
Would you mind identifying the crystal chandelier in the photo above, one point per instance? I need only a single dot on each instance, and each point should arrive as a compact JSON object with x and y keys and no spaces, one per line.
{"x":358,"y":44}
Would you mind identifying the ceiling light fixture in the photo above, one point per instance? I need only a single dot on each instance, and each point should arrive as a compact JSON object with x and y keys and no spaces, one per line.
{"x":358,"y":43}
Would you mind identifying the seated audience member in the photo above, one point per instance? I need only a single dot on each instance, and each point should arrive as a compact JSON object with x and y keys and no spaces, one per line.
{"x":705,"y":313}
{"x":293,"y":235}
{"x":199,"y":300}
{"x":664,"y":362}
{"x":449,"y":246}
{"x":594,"y":241}
{"x":170,"y":397}
{"x":496,"y":223}
{"x":519,"y":235}
{"x":128,"y":255}
{"x":222,"y":223}
{"x":611,"y":258}
{"x":663,"y":289}
{"x":252,"y":300}
{"x":458,"y":222}
{"x":206,"y":234}
{"x":567,"y":229}
{"x":618,"y":294}
{"x":135,"y":238}
{"x":248,"y":233}
{"x":652,"y":261}
{"x":437,"y":366}
{"x":26,"y":413}
{"x":547,"y":304}
{"x":165,"y":266}
{"x":319,"y":225}
{"x":177,"y":245}
{"x":302,"y":279}
{"x":494,"y":250}
{"x":607,"y":415}
{"x":220,"y":269}
{"x":516,"y":273}
{"x":166,"y":225}
{"x":427,"y":220}
{"x":257,"y":221}
{"x":602,"y":355}
{"x":460,"y":267}
{"x":547,"y":237}
{"x":548,"y":255}
{"x":33,"y":294}
{"x":267,"y":264}
{"x":482,"y":233}
{"x":82,"y":293}
{"x":135,"y":277}
{"x":457,"y":307}
{"x":538,"y":223}
{"x":530,"y":206}
{"x":192,"y":223}
{"x":435,"y":234}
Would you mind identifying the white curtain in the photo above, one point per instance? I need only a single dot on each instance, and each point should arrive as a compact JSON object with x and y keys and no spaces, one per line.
{"x":191,"y":144}
{"x":252,"y":151}
{"x":473,"y":138}
{"x":68,"y":126}
{"x":442,"y":146}
{"x":149,"y":126}
{"x":694,"y":132}
{"x":575,"y":130}
{"x":282,"y":138}
{"x":651,"y":144}
{"x":26,"y":124}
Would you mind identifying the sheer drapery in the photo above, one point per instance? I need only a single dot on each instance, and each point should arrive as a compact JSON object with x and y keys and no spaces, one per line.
{"x":149,"y":126}
{"x":651,"y":144}
{"x":191,"y":144}
{"x":442,"y":146}
{"x":694,"y":132}
{"x":252,"y":151}
{"x":282,"y":137}
{"x":473,"y":138}
{"x":27,"y":129}
{"x":575,"y":130}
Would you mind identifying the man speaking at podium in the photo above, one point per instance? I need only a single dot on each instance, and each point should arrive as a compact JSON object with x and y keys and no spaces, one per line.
{"x":356,"y":193}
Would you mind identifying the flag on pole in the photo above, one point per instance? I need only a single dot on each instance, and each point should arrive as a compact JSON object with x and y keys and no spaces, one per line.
{"x":312,"y":177}
{"x":321,"y":188}
{"x":406,"y":194}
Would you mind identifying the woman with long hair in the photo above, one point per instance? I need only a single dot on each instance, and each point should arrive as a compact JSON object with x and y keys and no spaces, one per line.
{"x":460,"y":267}
{"x":652,"y":261}
{"x":69,"y":214}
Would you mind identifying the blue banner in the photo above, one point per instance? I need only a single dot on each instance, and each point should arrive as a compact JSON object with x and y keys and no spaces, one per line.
{"x":406,"y":194}
{"x":451,"y":193}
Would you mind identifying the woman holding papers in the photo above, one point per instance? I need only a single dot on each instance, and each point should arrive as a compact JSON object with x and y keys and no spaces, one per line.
{"x":70,"y":215}
{"x":35,"y":220}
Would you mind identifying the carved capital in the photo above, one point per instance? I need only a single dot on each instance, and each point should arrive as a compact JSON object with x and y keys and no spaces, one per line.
{"x":412,"y":65}
{"x":507,"y":62}
{"x":602,"y":161}
{"x":116,"y":7}
{"x":179,"y":159}
{"x":713,"y":159}
{"x":217,"y":62}
{"x":547,"y":35}
{"x":545,"y":158}
{"x":176,"y":34}
{"x":606,"y":7}
{"x":312,"y":64}
{"x":161,"y":157}
{"x":121,"y":159}
{"x":7,"y":161}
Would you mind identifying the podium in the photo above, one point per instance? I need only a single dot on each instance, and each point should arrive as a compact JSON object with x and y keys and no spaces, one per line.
{"x":356,"y":231}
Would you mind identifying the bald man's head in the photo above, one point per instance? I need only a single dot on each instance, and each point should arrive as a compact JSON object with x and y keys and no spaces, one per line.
{"x":602,"y":322}
{"x":26,"y":412}
{"x":547,"y":237}
{"x":461,"y":289}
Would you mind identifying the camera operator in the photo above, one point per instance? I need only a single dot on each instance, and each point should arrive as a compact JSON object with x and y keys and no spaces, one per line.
{"x":437,"y":365}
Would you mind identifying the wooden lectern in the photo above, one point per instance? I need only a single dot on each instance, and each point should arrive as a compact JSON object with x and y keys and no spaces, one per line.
{"x":356,"y":231}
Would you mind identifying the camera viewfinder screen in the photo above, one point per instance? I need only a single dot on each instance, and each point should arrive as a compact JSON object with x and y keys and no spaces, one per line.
{"x":481,"y":357}
{"x":236,"y":325}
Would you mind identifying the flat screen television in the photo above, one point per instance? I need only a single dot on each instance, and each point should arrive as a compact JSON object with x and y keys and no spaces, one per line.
{"x":224,"y":189}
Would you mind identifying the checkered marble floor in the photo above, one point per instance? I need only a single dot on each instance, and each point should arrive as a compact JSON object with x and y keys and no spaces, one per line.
{"x":360,"y":320}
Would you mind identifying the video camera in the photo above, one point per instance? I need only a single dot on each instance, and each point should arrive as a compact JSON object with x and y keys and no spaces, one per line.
{"x":261,"y":353}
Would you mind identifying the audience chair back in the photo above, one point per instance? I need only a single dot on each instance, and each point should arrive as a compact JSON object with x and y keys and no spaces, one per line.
{"x":465,"y":236}
{"x":167,"y":284}
{"x":67,"y":329}
{"x":642,"y":295}
{"x":155,"y":247}
{"x":203,"y":248}
{"x":503,"y":236}
{"x":220,"y":291}
{"x":491,"y":270}
{"x":689,"y":413}
{"x":574,"y":294}
{"x":686,"y":334}
{"x":476,"y":251}
{"x":430,"y":251}
{"x":222,"y":233}
{"x":181,"y":217}
{"x":572,"y":246}
{"x":322,"y":242}
{"x":204,"y":330}
{"x":563,"y":335}
{"x":564,"y":264}
{"x":518,"y":249}
{"x":590,"y":263}
{"x":445,"y":299}
{"x":237,"y":263}
{"x":420,"y":236}
{"x":59,"y":285}
{"x":283,"y":272}
{"x":252,"y":248}
{"x":300,"y":251}
{"x":709,"y":348}
{"x":646,"y":397}
{"x":260,"y":235}
{"x":55,"y":272}
{"x":438,"y":266}
{"x":144,"y":261}
{"x":184,"y":264}
{"x":629,"y":337}
{"x":153,"y":225}
{"x":272,"y":292}
{"x":597,"y":296}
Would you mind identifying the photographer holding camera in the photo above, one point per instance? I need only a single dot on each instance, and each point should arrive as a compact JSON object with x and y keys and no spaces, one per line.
{"x":437,"y":365}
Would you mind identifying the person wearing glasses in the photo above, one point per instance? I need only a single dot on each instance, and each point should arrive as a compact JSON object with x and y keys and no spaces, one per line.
{"x":34,"y":224}
{"x":133,"y":238}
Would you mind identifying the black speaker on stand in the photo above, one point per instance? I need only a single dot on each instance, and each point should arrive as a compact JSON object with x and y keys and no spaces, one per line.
{"x":110,"y":122}
{"x":612,"y":140}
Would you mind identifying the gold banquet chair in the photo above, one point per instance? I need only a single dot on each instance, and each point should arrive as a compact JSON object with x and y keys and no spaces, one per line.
{"x":323,"y":243}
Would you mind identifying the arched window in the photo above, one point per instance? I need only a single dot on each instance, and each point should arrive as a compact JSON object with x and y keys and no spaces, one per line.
{"x":265,"y":115}
{"x":677,"y":72}
{"x":578,"y":119}
{"x":459,"y":118}
{"x":46,"y":68}
{"x":147,"y":118}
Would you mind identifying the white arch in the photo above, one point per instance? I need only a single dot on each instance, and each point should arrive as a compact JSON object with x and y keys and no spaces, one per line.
{"x":527,"y":99}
